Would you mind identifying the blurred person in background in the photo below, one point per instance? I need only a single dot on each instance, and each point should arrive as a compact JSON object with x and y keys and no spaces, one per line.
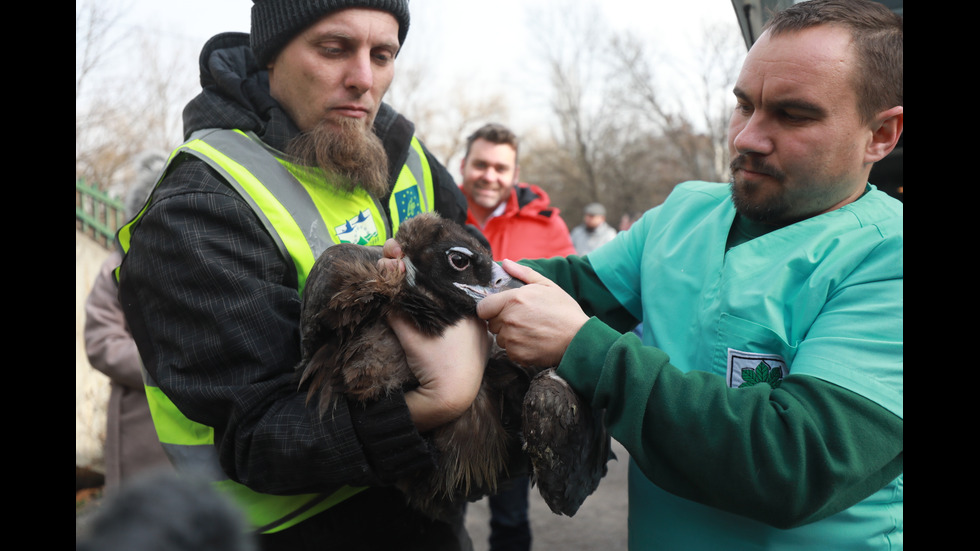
{"x":516,"y":217}
{"x":131,"y":443}
{"x":593,"y":231}
{"x":519,"y":222}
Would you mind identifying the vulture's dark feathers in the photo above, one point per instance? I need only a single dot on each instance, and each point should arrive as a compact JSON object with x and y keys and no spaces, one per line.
{"x":567,"y":443}
{"x":349,"y":350}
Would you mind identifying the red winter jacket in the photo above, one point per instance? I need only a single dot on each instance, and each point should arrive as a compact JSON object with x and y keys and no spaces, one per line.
{"x":528,"y":228}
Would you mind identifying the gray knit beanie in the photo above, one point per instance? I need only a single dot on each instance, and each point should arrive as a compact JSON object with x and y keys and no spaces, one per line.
{"x":276,"y":22}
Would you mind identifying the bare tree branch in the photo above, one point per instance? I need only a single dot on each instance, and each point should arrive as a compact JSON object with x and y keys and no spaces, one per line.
{"x":619,"y":138}
{"x":118,"y":119}
{"x":96,"y":37}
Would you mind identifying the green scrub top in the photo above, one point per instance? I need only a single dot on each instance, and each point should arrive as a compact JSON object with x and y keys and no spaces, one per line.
{"x":822,"y":297}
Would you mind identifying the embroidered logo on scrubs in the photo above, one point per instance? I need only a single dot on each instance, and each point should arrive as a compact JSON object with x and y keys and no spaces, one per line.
{"x":359,"y":230}
{"x":747,"y":369}
{"x":409,"y":203}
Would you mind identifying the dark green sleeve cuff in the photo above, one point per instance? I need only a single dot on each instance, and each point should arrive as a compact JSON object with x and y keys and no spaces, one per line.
{"x":595,"y":347}
{"x":615,"y":372}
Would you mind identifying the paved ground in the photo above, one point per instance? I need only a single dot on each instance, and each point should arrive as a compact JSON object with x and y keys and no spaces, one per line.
{"x":600,"y":524}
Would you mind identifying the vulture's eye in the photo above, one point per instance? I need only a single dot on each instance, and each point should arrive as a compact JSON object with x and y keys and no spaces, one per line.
{"x":459,"y":258}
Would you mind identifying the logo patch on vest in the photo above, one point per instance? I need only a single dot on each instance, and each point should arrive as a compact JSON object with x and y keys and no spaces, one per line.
{"x":747,"y":369}
{"x":359,"y":230}
{"x":409,"y":203}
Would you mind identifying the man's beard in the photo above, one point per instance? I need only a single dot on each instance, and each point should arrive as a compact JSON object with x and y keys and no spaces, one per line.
{"x":349,"y":154}
{"x":746,"y":197}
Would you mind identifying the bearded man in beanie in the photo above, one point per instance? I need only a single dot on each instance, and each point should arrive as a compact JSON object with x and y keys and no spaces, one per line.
{"x":289,"y":150}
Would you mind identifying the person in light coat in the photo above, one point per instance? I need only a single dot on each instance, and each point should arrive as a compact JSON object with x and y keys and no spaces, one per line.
{"x":131,"y":445}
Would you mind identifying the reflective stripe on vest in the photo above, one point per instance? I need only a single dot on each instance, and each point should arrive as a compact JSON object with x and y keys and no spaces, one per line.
{"x":304,"y":217}
{"x":190,"y":447}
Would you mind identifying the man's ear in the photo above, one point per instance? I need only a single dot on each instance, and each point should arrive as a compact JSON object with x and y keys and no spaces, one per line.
{"x":886,"y":129}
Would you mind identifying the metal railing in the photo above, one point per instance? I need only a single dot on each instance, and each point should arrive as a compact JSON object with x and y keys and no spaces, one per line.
{"x":96,"y":214}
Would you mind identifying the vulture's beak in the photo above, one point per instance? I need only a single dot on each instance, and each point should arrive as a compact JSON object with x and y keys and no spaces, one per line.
{"x":499,"y":281}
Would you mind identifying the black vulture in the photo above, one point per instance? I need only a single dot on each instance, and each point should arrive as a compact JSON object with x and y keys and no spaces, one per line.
{"x":349,"y":350}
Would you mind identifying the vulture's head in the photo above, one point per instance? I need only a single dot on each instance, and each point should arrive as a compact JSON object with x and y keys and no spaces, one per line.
{"x":447,"y":269}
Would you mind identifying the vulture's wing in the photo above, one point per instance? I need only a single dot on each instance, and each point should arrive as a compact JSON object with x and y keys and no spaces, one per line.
{"x":342,"y":327}
{"x":566,"y":441}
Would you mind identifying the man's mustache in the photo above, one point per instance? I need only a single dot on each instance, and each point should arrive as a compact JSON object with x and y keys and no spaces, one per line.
{"x":751,"y":163}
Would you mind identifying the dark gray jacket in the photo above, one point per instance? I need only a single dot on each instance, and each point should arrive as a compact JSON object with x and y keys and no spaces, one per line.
{"x":214,"y":309}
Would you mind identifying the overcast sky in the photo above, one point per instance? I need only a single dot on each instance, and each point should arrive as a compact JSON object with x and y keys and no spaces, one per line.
{"x":460,"y":20}
{"x":478,"y":41}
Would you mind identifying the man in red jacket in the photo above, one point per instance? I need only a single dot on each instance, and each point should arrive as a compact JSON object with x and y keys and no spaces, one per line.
{"x":516,"y":217}
{"x":519,"y":223}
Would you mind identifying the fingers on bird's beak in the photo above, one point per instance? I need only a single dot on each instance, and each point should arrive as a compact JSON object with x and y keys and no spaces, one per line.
{"x":501,"y":280}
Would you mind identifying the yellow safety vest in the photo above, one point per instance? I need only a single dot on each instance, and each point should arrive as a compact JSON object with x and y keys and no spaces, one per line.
{"x":305,"y":217}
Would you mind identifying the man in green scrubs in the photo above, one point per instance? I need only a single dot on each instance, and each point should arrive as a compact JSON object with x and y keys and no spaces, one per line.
{"x":763,"y":408}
